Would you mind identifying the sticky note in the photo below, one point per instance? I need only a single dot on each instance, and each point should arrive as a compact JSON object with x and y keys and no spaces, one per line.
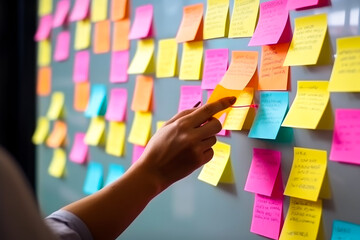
{"x":44,"y":7}
{"x":98,"y":102}
{"x":119,"y":66}
{"x":302,"y":220}
{"x":271,"y":113}
{"x":309,"y":36}
{"x":81,"y":66}
{"x":191,"y":59}
{"x":115,"y":142}
{"x":56,"y":106}
{"x":264,"y":169}
{"x":61,"y":14}
{"x":102,"y":37}
{"x":241,"y":70}
{"x":273,"y":75}
{"x":142,"y":25}
{"x":215,"y":66}
{"x":120,"y":40}
{"x":307,"y":174}
{"x":189,"y":96}
{"x":94,"y":178}
{"x":273,"y":25}
{"x":140,"y":129}
{"x":143,"y":59}
{"x":116,"y":109}
{"x":345,"y":230}
{"x":159,"y":124}
{"x":80,"y":10}
{"x":44,"y":28}
{"x":82,"y":34}
{"x":190,"y":28}
{"x":96,"y":132}
{"x":58,"y":135}
{"x":346,"y":71}
{"x":296,"y":4}
{"x":143,"y":93}
{"x":58,"y":163}
{"x":309,"y":105}
{"x":79,"y":150}
{"x":166,"y":58}
{"x":44,"y":53}
{"x":119,"y":9}
{"x":213,"y":171}
{"x":114,"y":173}
{"x":346,"y":137}
{"x":99,"y":10}
{"x":243,"y":18}
{"x":41,"y":131}
{"x":62,"y":46}
{"x":216,"y":19}
{"x":43,"y":84}
{"x":81,"y":96}
{"x":137,"y":152}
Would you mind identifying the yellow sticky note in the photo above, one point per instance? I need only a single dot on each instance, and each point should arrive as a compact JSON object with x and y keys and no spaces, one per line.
{"x":243,"y":18}
{"x":82,"y":34}
{"x":309,"y":36}
{"x":216,"y":19}
{"x":58,"y":163}
{"x":44,"y":7}
{"x":56,"y":107}
{"x":309,"y":105}
{"x":44,"y":53}
{"x":42,"y":130}
{"x":307,"y":174}
{"x":95,"y":133}
{"x":141,"y":128}
{"x":99,"y":10}
{"x":115,"y":141}
{"x":143,"y":59}
{"x":166,"y":58}
{"x":191,"y":61}
{"x":159,"y":124}
{"x":302,"y":220}
{"x":345,"y":76}
{"x":213,"y":171}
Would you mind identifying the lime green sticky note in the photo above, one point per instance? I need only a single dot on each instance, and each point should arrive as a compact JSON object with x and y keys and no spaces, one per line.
{"x":44,"y":53}
{"x":58,"y":163}
{"x":96,"y":131}
{"x":143,"y":59}
{"x":44,"y":7}
{"x":42,"y":130}
{"x":56,"y":107}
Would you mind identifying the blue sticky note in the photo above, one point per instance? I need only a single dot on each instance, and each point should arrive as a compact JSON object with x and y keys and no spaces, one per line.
{"x":94,"y":178}
{"x":115,"y":171}
{"x":271,"y":113}
{"x":345,"y":231}
{"x":97,"y":102}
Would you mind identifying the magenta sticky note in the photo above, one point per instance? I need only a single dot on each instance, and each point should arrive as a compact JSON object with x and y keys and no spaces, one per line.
{"x":116,"y":109}
{"x":119,"y":66}
{"x":80,"y":10}
{"x":273,"y":25}
{"x":142,"y":25}
{"x":62,"y":11}
{"x":137,"y":152}
{"x":189,"y":96}
{"x":263,"y":171}
{"x":81,"y":66}
{"x":44,"y":28}
{"x":62,"y":48}
{"x":346,"y":138}
{"x":79,"y":150}
{"x":215,"y":66}
{"x":297,"y":4}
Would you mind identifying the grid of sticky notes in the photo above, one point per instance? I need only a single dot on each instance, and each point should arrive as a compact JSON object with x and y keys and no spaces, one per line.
{"x":259,"y":79}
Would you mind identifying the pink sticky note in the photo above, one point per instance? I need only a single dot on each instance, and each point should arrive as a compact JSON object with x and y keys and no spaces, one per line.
{"x":116,"y":110}
{"x":296,"y":4}
{"x":80,"y":10}
{"x":274,"y":24}
{"x":346,"y":139}
{"x":189,"y":96}
{"x":215,"y":66}
{"x":62,"y":11}
{"x":119,"y":66}
{"x":62,"y":46}
{"x":44,"y":28}
{"x":79,"y":149}
{"x":137,"y":152}
{"x":263,"y":171}
{"x":81,"y":66}
{"x":142,"y":26}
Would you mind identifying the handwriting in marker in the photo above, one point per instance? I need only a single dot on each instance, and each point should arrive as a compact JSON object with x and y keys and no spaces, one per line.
{"x":244,"y":106}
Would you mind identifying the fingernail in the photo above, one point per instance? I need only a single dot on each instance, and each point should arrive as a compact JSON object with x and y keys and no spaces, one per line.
{"x":232,"y":100}
{"x":197,"y":104}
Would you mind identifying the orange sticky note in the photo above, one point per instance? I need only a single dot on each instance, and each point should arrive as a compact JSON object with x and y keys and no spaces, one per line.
{"x":102,"y":37}
{"x":142,"y":94}
{"x":242,"y":69}
{"x":58,"y":135}
{"x":191,"y":27}
{"x":120,"y":35}
{"x":81,"y":96}
{"x":43,"y":86}
{"x":119,"y":9}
